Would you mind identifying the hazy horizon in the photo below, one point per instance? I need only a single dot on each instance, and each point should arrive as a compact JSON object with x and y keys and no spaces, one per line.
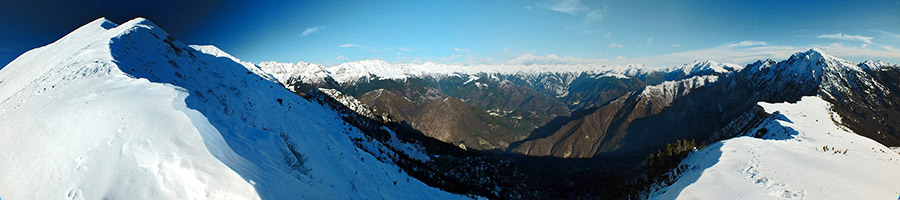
{"x":656,"y":34}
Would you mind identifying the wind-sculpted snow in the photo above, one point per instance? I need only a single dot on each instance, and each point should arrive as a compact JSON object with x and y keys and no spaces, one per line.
{"x":127,"y":112}
{"x":800,"y":152}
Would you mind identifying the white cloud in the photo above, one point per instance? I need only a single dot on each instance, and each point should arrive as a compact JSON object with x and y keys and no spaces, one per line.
{"x":462,"y":50}
{"x":843,"y":51}
{"x":739,"y":52}
{"x":550,"y":59}
{"x":362,"y":47}
{"x":592,"y":16}
{"x":649,"y":41}
{"x":675,"y":45}
{"x":615,"y":45}
{"x":572,"y":7}
{"x":404,"y":49}
{"x":529,"y":8}
{"x":341,"y":58}
{"x":744,"y":52}
{"x":591,"y":31}
{"x":736,"y":52}
{"x":841,"y":36}
{"x":311,"y":30}
{"x":888,"y":33}
{"x":576,"y":7}
{"x":747,"y":43}
{"x":470,"y":60}
{"x":452,"y":57}
{"x":608,"y":34}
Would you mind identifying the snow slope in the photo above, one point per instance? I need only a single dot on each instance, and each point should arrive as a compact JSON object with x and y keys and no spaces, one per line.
{"x":798,"y":153}
{"x":127,"y":112}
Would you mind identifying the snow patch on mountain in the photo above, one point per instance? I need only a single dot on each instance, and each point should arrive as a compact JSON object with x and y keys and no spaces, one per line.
{"x":800,"y":152}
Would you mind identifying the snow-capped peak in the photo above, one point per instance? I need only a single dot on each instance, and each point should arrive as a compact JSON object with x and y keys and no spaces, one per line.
{"x":293,"y":73}
{"x":816,"y":57}
{"x":876,"y":65}
{"x":812,"y":63}
{"x":130,"y":112}
{"x":352,"y":71}
{"x":706,"y":67}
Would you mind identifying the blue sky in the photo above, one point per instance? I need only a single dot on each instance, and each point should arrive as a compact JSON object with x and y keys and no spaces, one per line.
{"x":654,"y":33}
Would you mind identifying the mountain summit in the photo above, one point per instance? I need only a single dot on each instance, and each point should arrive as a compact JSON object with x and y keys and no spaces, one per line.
{"x":127,"y":111}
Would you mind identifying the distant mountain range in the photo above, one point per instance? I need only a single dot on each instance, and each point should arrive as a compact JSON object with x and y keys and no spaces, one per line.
{"x":127,"y":111}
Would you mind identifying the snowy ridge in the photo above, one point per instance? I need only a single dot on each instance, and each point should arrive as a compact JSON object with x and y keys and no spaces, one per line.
{"x":670,"y":90}
{"x":707,"y":67}
{"x":127,"y":112}
{"x":810,"y":64}
{"x":215,"y":51}
{"x":352,"y":103}
{"x":876,"y":65}
{"x":800,"y":152}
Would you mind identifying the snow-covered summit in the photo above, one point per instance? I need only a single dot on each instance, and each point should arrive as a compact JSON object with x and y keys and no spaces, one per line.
{"x":291,"y":74}
{"x":808,"y":63}
{"x":876,"y":65}
{"x":805,"y":73}
{"x":128,"y":112}
{"x":706,"y":67}
{"x":352,"y":71}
